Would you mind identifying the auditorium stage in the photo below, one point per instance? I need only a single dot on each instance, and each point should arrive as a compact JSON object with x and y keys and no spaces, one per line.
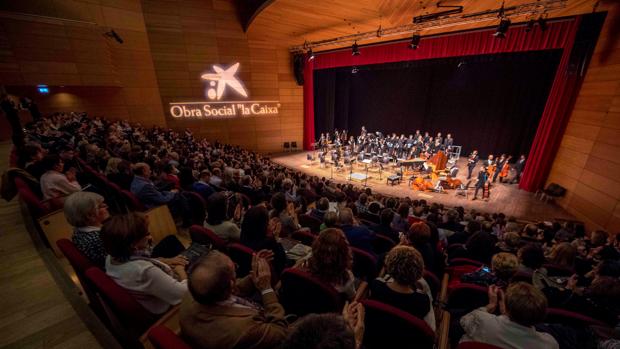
{"x":506,"y":198}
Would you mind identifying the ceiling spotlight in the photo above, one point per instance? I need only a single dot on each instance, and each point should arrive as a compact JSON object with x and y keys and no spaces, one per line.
{"x":542,"y":22}
{"x":415,"y":41}
{"x":530,"y":25}
{"x":502,"y":28}
{"x":310,"y":55}
{"x":355,"y":50}
{"x":112,"y":34}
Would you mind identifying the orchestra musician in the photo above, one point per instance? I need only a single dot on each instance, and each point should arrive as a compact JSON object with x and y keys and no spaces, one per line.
{"x":438,"y":137}
{"x":505,"y":169}
{"x":471,"y":163}
{"x":448,"y":142}
{"x":483,"y":179}
{"x":500,"y":165}
{"x":491,"y":166}
{"x":519,"y":167}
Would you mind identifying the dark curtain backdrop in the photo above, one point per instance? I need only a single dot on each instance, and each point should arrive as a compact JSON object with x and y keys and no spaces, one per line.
{"x":489,"y":102}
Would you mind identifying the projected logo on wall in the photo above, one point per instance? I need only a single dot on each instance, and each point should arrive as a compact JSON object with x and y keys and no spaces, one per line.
{"x":220,"y":81}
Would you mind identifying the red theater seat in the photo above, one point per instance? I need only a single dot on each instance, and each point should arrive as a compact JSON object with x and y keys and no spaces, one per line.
{"x":364,"y":265}
{"x":302,"y":294}
{"x":242,"y":256}
{"x":206,"y":236}
{"x":476,"y":345}
{"x":163,"y":338}
{"x":128,"y":318}
{"x":390,"y":327}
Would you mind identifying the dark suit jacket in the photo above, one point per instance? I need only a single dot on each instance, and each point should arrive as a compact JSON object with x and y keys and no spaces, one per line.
{"x":359,"y":236}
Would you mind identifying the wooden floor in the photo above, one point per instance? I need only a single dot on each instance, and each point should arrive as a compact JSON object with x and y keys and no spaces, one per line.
{"x":39,"y":306}
{"x":504,"y":198}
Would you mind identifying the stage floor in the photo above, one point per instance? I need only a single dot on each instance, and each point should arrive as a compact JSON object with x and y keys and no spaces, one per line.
{"x":506,"y":198}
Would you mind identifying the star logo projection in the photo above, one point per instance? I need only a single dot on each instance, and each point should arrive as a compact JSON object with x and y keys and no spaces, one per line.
{"x":215,"y":108}
{"x":223,"y":78}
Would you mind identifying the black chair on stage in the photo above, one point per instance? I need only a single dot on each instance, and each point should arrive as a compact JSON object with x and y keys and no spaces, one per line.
{"x":294,"y":146}
{"x":287,"y":146}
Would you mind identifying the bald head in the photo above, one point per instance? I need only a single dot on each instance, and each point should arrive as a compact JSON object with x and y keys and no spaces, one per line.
{"x":211,"y":278}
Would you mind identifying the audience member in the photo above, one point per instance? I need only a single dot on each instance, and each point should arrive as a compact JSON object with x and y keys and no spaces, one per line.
{"x":54,"y":183}
{"x":216,"y":314}
{"x":331,"y":261}
{"x":86,"y":212}
{"x":217,"y":208}
{"x":358,"y":235}
{"x":521,"y":307}
{"x":402,"y":286}
{"x":155,"y":284}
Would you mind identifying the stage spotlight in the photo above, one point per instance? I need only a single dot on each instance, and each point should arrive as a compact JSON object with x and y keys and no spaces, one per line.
{"x":542,"y":22}
{"x":355,"y":50}
{"x":415,"y":41}
{"x":112,"y":34}
{"x":502,"y":28}
{"x":530,"y":25}
{"x":310,"y":55}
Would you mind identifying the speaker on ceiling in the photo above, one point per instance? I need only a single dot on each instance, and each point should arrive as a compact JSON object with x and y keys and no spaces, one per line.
{"x":299,"y":60}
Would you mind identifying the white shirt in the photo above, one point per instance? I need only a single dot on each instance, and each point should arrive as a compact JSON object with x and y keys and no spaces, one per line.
{"x":150,"y":285}
{"x":55,"y":184}
{"x":480,"y":326}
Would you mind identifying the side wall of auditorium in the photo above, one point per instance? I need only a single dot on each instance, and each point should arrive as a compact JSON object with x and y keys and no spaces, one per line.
{"x":588,"y":161}
{"x":166,"y":46}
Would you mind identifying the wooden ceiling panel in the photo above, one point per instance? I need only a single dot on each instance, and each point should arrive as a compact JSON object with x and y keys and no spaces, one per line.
{"x":291,"y":22}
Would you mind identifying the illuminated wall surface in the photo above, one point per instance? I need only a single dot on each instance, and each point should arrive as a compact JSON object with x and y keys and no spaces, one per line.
{"x":169,"y":54}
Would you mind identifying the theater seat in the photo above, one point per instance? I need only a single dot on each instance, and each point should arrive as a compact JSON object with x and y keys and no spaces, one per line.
{"x":81,"y":264}
{"x":569,"y":318}
{"x":302,"y":294}
{"x":364,"y":265}
{"x":242,"y":256}
{"x":390,"y":327}
{"x":132,"y":201}
{"x":476,"y":345}
{"x":382,"y":244}
{"x":163,"y":338}
{"x":310,"y":222}
{"x":206,"y":236}
{"x":128,"y":318}
{"x":304,"y":236}
{"x":463,"y":298}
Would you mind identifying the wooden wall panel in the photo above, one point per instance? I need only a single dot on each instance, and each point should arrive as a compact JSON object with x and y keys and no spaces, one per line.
{"x":58,"y":51}
{"x":188,"y":37}
{"x":588,"y":161}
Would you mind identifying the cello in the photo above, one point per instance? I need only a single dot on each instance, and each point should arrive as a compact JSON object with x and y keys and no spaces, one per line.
{"x":505,"y":170}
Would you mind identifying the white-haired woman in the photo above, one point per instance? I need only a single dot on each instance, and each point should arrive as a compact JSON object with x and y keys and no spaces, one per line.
{"x":86,"y":212}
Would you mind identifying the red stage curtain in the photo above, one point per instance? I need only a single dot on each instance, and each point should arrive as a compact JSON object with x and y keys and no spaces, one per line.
{"x":558,"y":35}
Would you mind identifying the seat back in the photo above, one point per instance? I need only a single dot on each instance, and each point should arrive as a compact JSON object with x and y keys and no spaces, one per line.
{"x":132,"y":201}
{"x":206,"y":236}
{"x":464,"y":261}
{"x":310,"y":222}
{"x":463,"y":298}
{"x":197,"y":206}
{"x":382,"y":244}
{"x":558,"y":270}
{"x":569,"y":318}
{"x":80,"y":264}
{"x":36,"y":206}
{"x":126,"y":315}
{"x":242,"y":256}
{"x":302,"y":294}
{"x":163,"y":338}
{"x":294,"y":145}
{"x":364,"y":264}
{"x":304,"y":236}
{"x":390,"y":327}
{"x":476,"y":345}
{"x":433,"y":283}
